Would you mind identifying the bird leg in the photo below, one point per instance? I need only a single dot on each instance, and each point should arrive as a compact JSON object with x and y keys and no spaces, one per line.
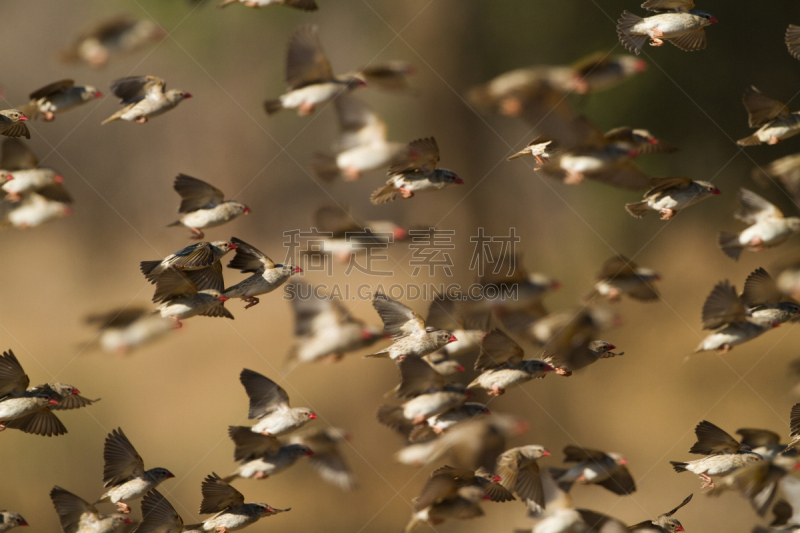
{"x":177,"y":324}
{"x":221,"y":529}
{"x":48,"y":116}
{"x":351,"y":174}
{"x":305,"y":109}
{"x":141,"y":120}
{"x":757,"y":244}
{"x":123,"y":508}
{"x":511,"y":106}
{"x":725,"y":348}
{"x":260,"y":475}
{"x":343,"y":257}
{"x":773,"y":140}
{"x":496,"y":391}
{"x":251,"y":301}
{"x":667,"y":213}
{"x":438,"y":430}
{"x":562,"y":372}
{"x":14,"y":196}
{"x":419,"y":419}
{"x":401,"y":357}
{"x":196,"y":234}
{"x":2,"y":427}
{"x":405,"y":193}
{"x":613,"y":295}
{"x":708,"y":483}
{"x":655,"y":38}
{"x":581,"y":87}
{"x":265,"y":432}
{"x":573,"y":178}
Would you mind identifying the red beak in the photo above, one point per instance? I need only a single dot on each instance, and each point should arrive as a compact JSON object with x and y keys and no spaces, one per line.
{"x":679,"y":528}
{"x":452,"y":338}
{"x":469,"y":394}
{"x":497,"y":479}
{"x":312,"y":416}
{"x":459,"y":181}
{"x":127,"y":521}
{"x":23,"y":118}
{"x":9,"y":177}
{"x":186,"y":95}
{"x":641,"y":66}
{"x":23,"y":523}
{"x":633,"y":154}
{"x":623,"y":462}
{"x":775,"y":324}
{"x":713,"y":20}
{"x":460,"y":368}
{"x":75,"y":391}
{"x":269,"y":510}
{"x":545,"y":453}
{"x":309,"y":453}
{"x":59,"y":178}
{"x":223,"y":298}
{"x":653,"y":140}
{"x":400,"y":234}
{"x":796,"y":466}
{"x":98,"y":94}
{"x":51,"y":401}
{"x":247,"y":210}
{"x":555,"y":285}
{"x":716,"y":191}
{"x":297,"y":270}
{"x":612,"y":347}
{"x":233,"y":247}
{"x":170,"y":475}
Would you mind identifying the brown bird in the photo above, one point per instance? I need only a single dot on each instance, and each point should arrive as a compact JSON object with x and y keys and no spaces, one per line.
{"x":270,"y":404}
{"x":262,"y":456}
{"x":501,"y":360}
{"x":144,"y":97}
{"x":609,"y":470}
{"x":411,"y":337}
{"x":204,"y":206}
{"x":389,"y":76}
{"x":767,"y":226}
{"x":267,"y":276}
{"x":58,"y":97}
{"x":79,"y":516}
{"x":12,"y":124}
{"x":670,"y":195}
{"x":620,"y":276}
{"x":202,"y":256}
{"x":327,"y":459}
{"x":159,"y":516}
{"x":309,"y":76}
{"x":538,"y":149}
{"x":763,"y":299}
{"x":773,"y":119}
{"x":181,"y":298}
{"x":723,"y":454}
{"x":663,"y":523}
{"x":519,"y":473}
{"x":676,"y":21}
{"x":119,"y":33}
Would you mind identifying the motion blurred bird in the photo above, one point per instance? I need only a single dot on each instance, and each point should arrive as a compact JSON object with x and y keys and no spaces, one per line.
{"x":520,"y":473}
{"x":785,"y":170}
{"x":602,"y":71}
{"x":677,"y":22}
{"x":12,"y":123}
{"x":757,"y":483}
{"x":792,"y":39}
{"x":663,"y":523}
{"x":25,"y":177}
{"x":203,"y":256}
{"x":620,"y":276}
{"x":58,"y":97}
{"x":78,"y":516}
{"x":362,"y":145}
{"x":327,"y":459}
{"x":262,"y":456}
{"x":124,"y":472}
{"x":344,"y":236}
{"x":465,"y":323}
{"x":204,"y":206}
{"x":144,"y":97}
{"x":182,"y":299}
{"x":501,"y":360}
{"x":670,"y":195}
{"x":411,"y":336}
{"x":309,"y":76}
{"x":422,"y":406}
{"x":227,"y":505}
{"x":9,"y":521}
{"x":609,"y":470}
{"x":119,"y":33}
{"x":267,"y":276}
{"x":325,"y":330}
{"x":124,"y":329}
{"x":389,"y":75}
{"x":303,"y":5}
{"x":537,"y":149}
{"x":159,"y":516}
{"x":763,"y":299}
{"x":767,"y":226}
{"x":31,"y":211}
{"x":415,"y":171}
{"x":724,"y":311}
{"x":723,"y":454}
{"x":773,"y":119}
{"x":270,"y":404}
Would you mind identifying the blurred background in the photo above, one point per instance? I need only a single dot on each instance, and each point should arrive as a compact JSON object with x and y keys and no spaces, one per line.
{"x":176,"y":398}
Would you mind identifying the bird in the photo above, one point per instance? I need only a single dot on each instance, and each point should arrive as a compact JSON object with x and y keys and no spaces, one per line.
{"x":415,"y":171}
{"x":309,"y":76}
{"x":204,"y":206}
{"x":602,"y":71}
{"x":663,"y":523}
{"x":31,"y":211}
{"x":118,"y":33}
{"x":324,"y":330}
{"x":676,"y":21}
{"x":144,"y":97}
{"x":9,"y":521}
{"x":757,"y":483}
{"x":124,"y":329}
{"x":79,"y":516}
{"x":327,"y":459}
{"x":724,"y":312}
{"x":595,"y":467}
{"x":767,"y":226}
{"x":452,"y":493}
{"x":227,"y":505}
{"x":12,"y":123}
{"x":538,"y":149}
{"x":417,"y":377}
{"x":441,"y":423}
{"x":792,"y":39}
{"x":27,"y":177}
{"x":302,"y":5}
{"x":262,"y":456}
{"x":794,"y":427}
{"x":270,"y":404}
{"x":565,"y":362}
{"x":267,"y":276}
{"x":181,"y":298}
{"x":723,"y":454}
{"x":519,"y":472}
{"x":198,"y":256}
{"x":785,"y":170}
{"x":159,"y":516}
{"x":362,"y":145}
{"x":389,"y":75}
{"x":468,"y":325}
{"x":58,"y":97}
{"x":410,"y":335}
{"x":762,"y":298}
{"x":502,"y":364}
{"x":620,"y":276}
{"x":775,"y":122}
{"x":124,"y":472}
{"x":418,"y":409}
{"x":670,"y":195}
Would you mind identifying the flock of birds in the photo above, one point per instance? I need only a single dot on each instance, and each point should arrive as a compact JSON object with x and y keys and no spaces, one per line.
{"x":433,"y":412}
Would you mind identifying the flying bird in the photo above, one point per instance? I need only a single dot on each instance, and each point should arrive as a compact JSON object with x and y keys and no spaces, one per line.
{"x":144,"y":97}
{"x":266,"y":275}
{"x":269,"y":403}
{"x":204,"y":206}
{"x":775,"y":122}
{"x":767,"y":226}
{"x":670,"y":195}
{"x":79,"y":516}
{"x":12,"y":123}
{"x":119,"y":33}
{"x":302,"y":5}
{"x":595,"y":467}
{"x":676,"y":21}
{"x":620,"y":276}
{"x":58,"y":97}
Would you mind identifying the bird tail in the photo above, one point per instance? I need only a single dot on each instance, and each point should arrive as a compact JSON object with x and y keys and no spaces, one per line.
{"x":385,"y":194}
{"x":679,"y":467}
{"x":390,"y":416}
{"x":729,"y":242}
{"x":516,"y":156}
{"x":272,"y":106}
{"x":176,"y":223}
{"x":752,"y":140}
{"x":232,"y":477}
{"x":634,"y":43}
{"x":325,"y":167}
{"x":412,"y":525}
{"x":637,"y":209}
{"x":147,"y":268}
{"x":112,"y":118}
{"x":379,"y":354}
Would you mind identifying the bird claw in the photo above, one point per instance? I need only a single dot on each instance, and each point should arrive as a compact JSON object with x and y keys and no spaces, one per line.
{"x":573,"y":178}
{"x":351,"y":174}
{"x":260,"y":475}
{"x":252,"y":300}
{"x":221,"y":529}
{"x":123,"y":508}
{"x":562,"y":372}
{"x":141,"y":120}
{"x":196,"y":234}
{"x":657,"y":42}
{"x":305,"y":109}
{"x":48,"y":116}
{"x":725,"y":348}
{"x":2,"y":427}
{"x":496,"y":391}
{"x":406,"y":194}
{"x":773,"y":141}
{"x":667,"y":214}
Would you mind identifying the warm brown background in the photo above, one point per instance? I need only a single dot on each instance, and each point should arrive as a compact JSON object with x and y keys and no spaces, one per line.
{"x":175,"y":399}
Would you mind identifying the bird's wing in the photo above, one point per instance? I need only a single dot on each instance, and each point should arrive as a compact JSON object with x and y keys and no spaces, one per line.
{"x":17,"y":156}
{"x":218,"y":495}
{"x":70,"y":509}
{"x":13,"y":379}
{"x":207,"y":278}
{"x":398,"y":320}
{"x":42,"y":422}
{"x":248,"y":258}
{"x":158,"y":515}
{"x":51,"y":89}
{"x":332,"y":468}
{"x":712,"y":439}
{"x":660,"y":185}
{"x":173,"y":283}
{"x":497,"y":349}
{"x":619,"y":481}
{"x":754,"y":208}
{"x":684,"y":502}
{"x":576,"y":454}
{"x":336,"y":220}
{"x":617,"y":267}
{"x":417,"y":377}
{"x":439,"y":487}
{"x":195,"y":256}
{"x":265,"y":395}
{"x":117,"y":318}
{"x":121,"y":460}
{"x":306,"y":62}
{"x":668,"y":5}
{"x":761,"y":109}
{"x":624,"y":176}
{"x":250,"y":445}
{"x":723,"y":306}
{"x":358,"y":123}
{"x":421,"y":155}
{"x":196,"y":194}
{"x":135,"y":88}
{"x":760,"y":289}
